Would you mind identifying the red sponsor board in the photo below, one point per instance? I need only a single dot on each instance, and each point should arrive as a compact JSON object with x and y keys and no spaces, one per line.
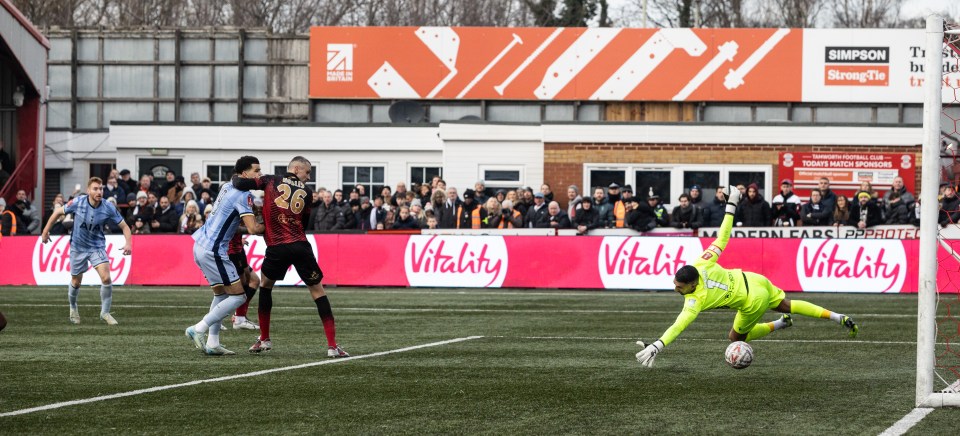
{"x":812,"y":265}
{"x":846,"y":171}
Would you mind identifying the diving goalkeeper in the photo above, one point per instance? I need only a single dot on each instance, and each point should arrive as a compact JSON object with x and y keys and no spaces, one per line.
{"x":706,"y":285}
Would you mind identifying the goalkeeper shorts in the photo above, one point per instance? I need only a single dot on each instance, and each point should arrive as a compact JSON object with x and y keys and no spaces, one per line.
{"x":761,"y":296}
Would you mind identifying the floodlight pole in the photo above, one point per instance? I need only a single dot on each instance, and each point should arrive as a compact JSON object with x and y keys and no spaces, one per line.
{"x":929,"y":210}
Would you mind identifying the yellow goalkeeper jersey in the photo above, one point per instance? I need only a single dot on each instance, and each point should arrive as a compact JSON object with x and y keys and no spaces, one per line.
{"x":718,"y":287}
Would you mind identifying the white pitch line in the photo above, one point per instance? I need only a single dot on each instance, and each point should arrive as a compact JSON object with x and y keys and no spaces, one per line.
{"x":229,"y":377}
{"x":907,"y":422}
{"x":812,"y":341}
{"x":436,"y":309}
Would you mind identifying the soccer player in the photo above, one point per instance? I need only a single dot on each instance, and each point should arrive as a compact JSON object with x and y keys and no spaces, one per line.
{"x":286,"y":206}
{"x":210,"y":254}
{"x":706,"y":285}
{"x":88,"y":245}
{"x":249,"y":281}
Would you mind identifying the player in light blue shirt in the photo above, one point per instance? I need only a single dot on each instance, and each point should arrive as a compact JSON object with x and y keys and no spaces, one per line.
{"x":210,"y":254}
{"x":88,"y":246}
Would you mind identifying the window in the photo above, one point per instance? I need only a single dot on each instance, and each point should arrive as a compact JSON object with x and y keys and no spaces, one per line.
{"x":219,"y":174}
{"x":371,"y":177}
{"x":501,"y":176}
{"x":101,"y":170}
{"x":424,"y":174}
{"x":670,"y":180}
{"x":280,"y":170}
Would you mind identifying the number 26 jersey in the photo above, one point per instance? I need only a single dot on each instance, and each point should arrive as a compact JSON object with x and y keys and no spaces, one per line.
{"x":286,"y":206}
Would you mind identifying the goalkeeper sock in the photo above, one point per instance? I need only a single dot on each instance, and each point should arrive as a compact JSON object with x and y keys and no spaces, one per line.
{"x":804,"y":308}
{"x":106,"y":298}
{"x":263,"y":312}
{"x":760,"y":330}
{"x":326,"y":316}
{"x":242,"y":310}
{"x":72,"y":295}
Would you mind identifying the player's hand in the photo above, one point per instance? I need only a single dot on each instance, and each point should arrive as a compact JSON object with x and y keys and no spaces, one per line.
{"x":733,"y":198}
{"x":649,"y":353}
{"x":126,"y":250}
{"x":45,"y":237}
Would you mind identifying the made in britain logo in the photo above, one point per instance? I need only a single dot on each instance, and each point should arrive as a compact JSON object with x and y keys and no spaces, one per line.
{"x":461,"y":261}
{"x":339,"y":62}
{"x":644,"y":262}
{"x":856,"y":66}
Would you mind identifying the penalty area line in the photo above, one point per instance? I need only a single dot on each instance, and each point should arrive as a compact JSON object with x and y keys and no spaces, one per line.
{"x":907,"y":422}
{"x":230,"y":377}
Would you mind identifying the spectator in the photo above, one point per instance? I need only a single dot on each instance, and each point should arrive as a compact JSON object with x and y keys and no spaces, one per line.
{"x":195,"y":183}
{"x":603,"y":207}
{"x":743,"y":190}
{"x":587,"y":218}
{"x":186,"y":196}
{"x":31,"y":215}
{"x":206,"y":186}
{"x":436,"y":202}
{"x":523,"y":200}
{"x":654,"y":203}
{"x":827,"y":197}
{"x":465,"y":216}
{"x":441,"y":186}
{"x":113,"y":190}
{"x":547,"y":193}
{"x":405,"y":221}
{"x":815,"y":213}
{"x":339,"y":200}
{"x":501,"y":195}
{"x":8,"y":219}
{"x":686,"y":215}
{"x":165,"y":218}
{"x":134,"y":211}
{"x":510,"y":217}
{"x":906,"y":198}
{"x":626,"y":192}
{"x":190,"y":220}
{"x":57,"y":228}
{"x":329,"y":217}
{"x":140,"y":227}
{"x":169,"y":183}
{"x":400,"y":193}
{"x":127,"y":183}
{"x":174,"y":191}
{"x":641,"y":216}
{"x":416,"y":211}
{"x":480,"y":189}
{"x":361,"y":191}
{"x":431,"y":221}
{"x":617,"y":207}
{"x":376,"y":215}
{"x":865,"y":213}
{"x":448,"y":214}
{"x":145,"y":184}
{"x":351,"y":214}
{"x":387,"y":195}
{"x":713,"y":210}
{"x":949,"y":207}
{"x":537,"y":215}
{"x":786,"y":206}
{"x":23,"y":221}
{"x":841,"y":212}
{"x":315,"y":199}
{"x":487,"y":216}
{"x":425,"y":192}
{"x":897,"y":210}
{"x":696,"y":196}
{"x":388,"y":219}
{"x":573,"y":201}
{"x":152,"y":201}
{"x":557,"y":218}
{"x":208,"y":210}
{"x":915,"y":213}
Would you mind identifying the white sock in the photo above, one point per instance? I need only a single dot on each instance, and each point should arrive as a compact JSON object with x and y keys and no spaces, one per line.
{"x":213,"y":340}
{"x":220,"y":311}
{"x":72,"y":295}
{"x":106,"y":298}
{"x":214,"y":327}
{"x":779,"y":324}
{"x":836,"y":317}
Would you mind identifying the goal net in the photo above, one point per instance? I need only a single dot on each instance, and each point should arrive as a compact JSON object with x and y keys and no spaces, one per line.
{"x":938,"y":322}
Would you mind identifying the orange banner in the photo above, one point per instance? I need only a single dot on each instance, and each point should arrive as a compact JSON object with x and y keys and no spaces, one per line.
{"x":555,"y":63}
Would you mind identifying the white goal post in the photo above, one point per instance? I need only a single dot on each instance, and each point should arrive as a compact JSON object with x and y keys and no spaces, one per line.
{"x":927,"y":395}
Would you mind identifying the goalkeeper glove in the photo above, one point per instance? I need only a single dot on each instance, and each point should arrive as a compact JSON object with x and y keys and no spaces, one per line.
{"x":733,"y":198}
{"x":649,"y":353}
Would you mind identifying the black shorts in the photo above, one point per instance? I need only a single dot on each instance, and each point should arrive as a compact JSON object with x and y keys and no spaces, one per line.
{"x":299,"y":254}
{"x":240,"y":261}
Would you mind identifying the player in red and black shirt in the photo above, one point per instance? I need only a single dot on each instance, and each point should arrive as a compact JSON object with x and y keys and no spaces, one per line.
{"x":286,"y":208}
{"x":248,"y":279}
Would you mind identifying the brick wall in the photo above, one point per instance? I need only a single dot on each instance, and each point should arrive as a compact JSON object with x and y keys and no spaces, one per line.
{"x":563,"y":163}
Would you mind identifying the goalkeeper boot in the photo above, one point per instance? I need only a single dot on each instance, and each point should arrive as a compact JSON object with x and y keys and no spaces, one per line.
{"x":218,"y":351}
{"x":850,"y":325}
{"x":336,"y":352}
{"x":196,"y":337}
{"x":787,"y":320}
{"x":261,"y":346}
{"x":109,"y":319}
{"x":75,"y":316}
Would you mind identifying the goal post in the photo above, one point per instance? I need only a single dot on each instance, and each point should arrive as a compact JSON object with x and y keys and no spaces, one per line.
{"x":936,"y":369}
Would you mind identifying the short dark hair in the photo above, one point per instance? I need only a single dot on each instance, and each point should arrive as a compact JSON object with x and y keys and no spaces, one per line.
{"x":244,"y":164}
{"x":687,"y":274}
{"x":684,"y":195}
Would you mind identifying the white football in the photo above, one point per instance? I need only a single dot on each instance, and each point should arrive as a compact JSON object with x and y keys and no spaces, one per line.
{"x":739,"y":354}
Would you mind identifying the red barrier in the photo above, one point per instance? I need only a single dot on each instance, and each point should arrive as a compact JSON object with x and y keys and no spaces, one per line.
{"x":582,"y":262}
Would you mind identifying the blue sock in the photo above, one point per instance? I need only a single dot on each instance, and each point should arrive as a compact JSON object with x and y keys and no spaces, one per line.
{"x":219,"y":312}
{"x":72,"y":295}
{"x":106,"y":298}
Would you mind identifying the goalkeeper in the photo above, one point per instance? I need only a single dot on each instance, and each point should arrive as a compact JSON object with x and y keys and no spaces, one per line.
{"x":706,"y":285}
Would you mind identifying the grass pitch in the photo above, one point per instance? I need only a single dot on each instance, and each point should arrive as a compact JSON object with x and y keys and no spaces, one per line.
{"x":544,"y":363}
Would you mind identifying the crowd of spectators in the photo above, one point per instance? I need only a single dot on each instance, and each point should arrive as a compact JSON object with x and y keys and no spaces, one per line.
{"x":171,"y":205}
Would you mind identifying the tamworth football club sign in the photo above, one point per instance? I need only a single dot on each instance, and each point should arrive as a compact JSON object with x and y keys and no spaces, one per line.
{"x":614,"y":64}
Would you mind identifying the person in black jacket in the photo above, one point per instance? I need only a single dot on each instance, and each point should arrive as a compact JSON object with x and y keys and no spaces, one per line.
{"x":447,"y":214}
{"x":587,"y":218}
{"x":467,"y":206}
{"x":865,"y":212}
{"x":898,"y":211}
{"x":753,"y":210}
{"x":949,"y":207}
{"x":537,"y":213}
{"x":327,"y":215}
{"x":815,"y":213}
{"x":640,"y":215}
{"x":556,"y":218}
{"x":686,"y":215}
{"x":165,"y":219}
{"x":405,"y":221}
{"x":713,"y":210}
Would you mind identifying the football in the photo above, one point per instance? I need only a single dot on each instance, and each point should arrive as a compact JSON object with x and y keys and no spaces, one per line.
{"x":739,"y":354}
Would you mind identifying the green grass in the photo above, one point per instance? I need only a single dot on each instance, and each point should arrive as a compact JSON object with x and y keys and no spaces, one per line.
{"x":548,"y":363}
